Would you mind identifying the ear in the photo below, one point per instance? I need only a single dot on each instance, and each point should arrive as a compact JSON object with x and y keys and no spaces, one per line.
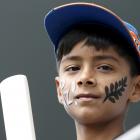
{"x":58,"y":88}
{"x":135,"y":96}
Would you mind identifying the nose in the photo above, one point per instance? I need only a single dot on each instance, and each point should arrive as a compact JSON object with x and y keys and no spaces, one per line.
{"x":87,"y":78}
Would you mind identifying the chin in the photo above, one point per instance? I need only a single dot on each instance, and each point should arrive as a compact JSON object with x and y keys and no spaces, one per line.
{"x":86,"y":116}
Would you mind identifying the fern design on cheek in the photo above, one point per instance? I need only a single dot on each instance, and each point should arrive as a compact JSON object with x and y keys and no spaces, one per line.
{"x":115,"y":90}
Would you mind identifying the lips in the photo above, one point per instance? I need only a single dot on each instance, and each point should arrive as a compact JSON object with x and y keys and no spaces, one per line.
{"x":87,"y":96}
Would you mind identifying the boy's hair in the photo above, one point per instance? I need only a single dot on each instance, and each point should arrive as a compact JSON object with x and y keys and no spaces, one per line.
{"x":101,"y":38}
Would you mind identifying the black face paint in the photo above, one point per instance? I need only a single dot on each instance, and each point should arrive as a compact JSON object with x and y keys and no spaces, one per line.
{"x":115,"y":90}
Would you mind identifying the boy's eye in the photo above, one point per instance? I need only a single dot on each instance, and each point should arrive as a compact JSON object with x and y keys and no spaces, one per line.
{"x":72,"y":68}
{"x":105,"y":68}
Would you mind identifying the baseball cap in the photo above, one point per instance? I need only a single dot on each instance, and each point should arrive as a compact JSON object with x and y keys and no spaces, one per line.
{"x":61,"y":19}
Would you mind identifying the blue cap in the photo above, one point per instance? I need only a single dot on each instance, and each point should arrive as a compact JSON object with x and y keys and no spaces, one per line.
{"x":60,"y":19}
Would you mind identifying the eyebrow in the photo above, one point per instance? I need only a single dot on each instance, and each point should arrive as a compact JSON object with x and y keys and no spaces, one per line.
{"x":106,"y":57}
{"x":95,"y":58}
{"x":71,"y":58}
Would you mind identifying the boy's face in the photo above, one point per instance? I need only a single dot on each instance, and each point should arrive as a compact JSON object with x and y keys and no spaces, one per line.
{"x":94,"y":86}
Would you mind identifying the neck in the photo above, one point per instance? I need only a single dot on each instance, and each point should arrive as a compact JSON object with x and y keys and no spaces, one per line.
{"x":107,"y":131}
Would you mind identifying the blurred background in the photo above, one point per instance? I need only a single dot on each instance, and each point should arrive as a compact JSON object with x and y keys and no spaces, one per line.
{"x":26,"y":49}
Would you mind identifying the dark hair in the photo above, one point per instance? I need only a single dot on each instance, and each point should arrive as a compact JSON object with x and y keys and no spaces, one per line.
{"x":100,"y":37}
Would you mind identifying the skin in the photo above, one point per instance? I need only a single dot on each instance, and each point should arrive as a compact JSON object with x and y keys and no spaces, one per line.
{"x":92,"y":70}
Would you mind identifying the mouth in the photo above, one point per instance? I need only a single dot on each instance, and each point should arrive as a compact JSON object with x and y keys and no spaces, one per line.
{"x":87,"y":97}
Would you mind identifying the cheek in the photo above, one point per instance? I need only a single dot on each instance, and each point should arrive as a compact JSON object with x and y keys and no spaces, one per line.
{"x":115,"y":90}
{"x":68,"y":90}
{"x":67,"y":82}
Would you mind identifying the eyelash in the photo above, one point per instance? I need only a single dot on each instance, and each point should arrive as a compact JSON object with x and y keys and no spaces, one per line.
{"x":105,"y":68}
{"x":102,"y":68}
{"x":72,"y":68}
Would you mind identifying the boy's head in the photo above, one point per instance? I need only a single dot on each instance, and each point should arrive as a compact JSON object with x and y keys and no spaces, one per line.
{"x":100,"y":37}
{"x":98,"y":61}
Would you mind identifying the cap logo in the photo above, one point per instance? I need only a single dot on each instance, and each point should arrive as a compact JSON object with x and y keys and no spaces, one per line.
{"x":136,"y":40}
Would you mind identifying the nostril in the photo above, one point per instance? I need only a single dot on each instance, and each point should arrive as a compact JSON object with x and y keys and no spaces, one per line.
{"x":80,"y":83}
{"x":89,"y":82}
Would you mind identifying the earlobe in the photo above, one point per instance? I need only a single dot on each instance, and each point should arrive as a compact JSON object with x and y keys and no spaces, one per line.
{"x":135,"y":96}
{"x":58,"y":88}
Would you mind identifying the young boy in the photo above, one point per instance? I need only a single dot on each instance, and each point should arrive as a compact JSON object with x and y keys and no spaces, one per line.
{"x":98,"y":61}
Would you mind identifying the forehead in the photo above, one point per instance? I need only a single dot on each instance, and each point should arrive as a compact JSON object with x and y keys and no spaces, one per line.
{"x":89,"y":57}
{"x":81,"y":51}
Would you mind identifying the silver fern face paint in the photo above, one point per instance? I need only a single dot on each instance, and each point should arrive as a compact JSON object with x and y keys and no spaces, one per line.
{"x":62,"y":84}
{"x":115,"y":90}
{"x":68,"y":92}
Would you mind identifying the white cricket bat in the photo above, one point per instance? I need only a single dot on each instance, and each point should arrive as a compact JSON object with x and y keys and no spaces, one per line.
{"x":16,"y":106}
{"x":132,"y":134}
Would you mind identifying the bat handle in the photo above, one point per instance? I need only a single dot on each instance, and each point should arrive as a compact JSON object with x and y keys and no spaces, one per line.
{"x":17,"y":110}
